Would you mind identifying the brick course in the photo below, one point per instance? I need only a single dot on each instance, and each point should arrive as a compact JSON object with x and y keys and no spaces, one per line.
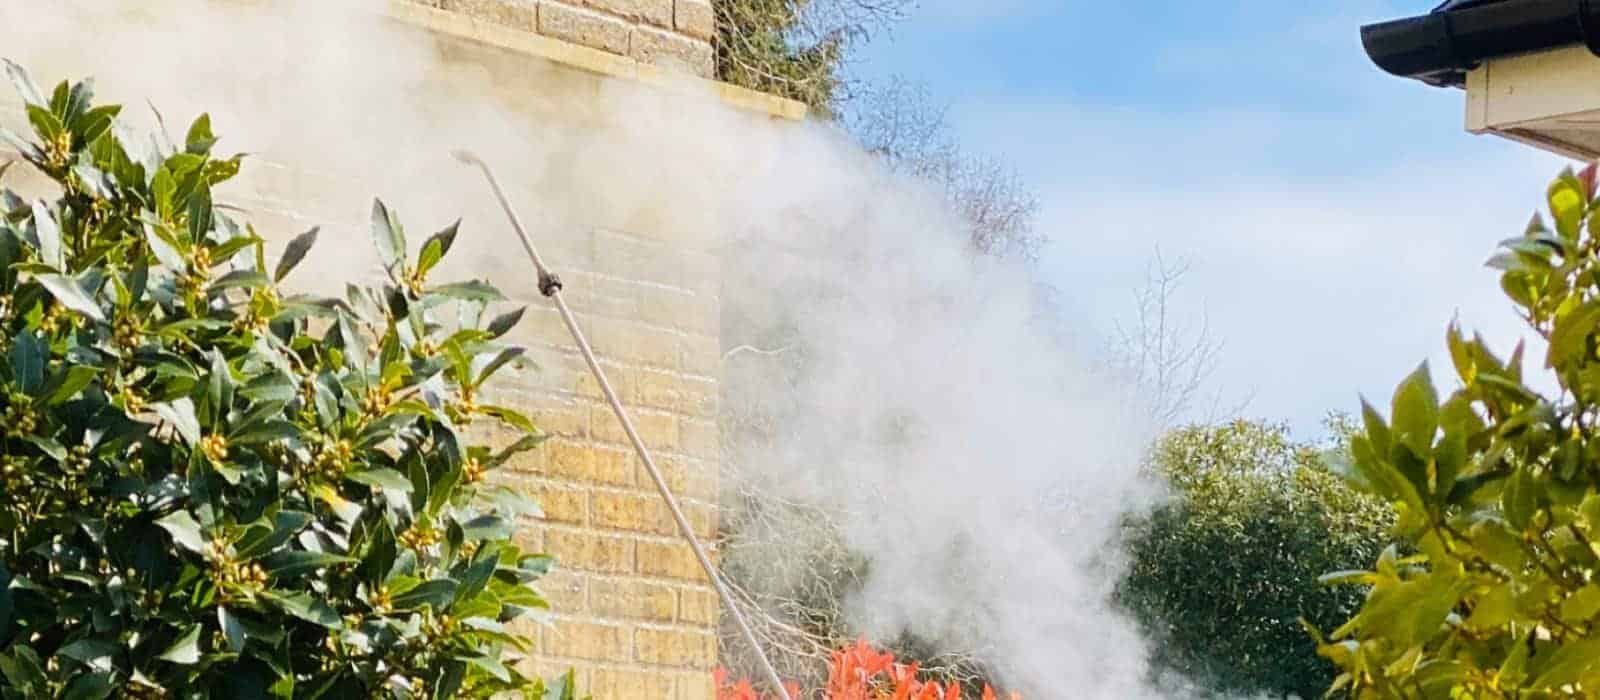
{"x":673,"y":34}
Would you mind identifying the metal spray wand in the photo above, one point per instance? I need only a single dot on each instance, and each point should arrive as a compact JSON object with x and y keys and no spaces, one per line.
{"x":550,"y":286}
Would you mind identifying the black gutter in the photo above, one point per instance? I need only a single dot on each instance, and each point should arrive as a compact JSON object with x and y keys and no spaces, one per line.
{"x":1439,"y":48}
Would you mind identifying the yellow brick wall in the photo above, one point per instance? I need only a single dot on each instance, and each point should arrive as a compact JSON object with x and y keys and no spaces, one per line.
{"x":632,"y":611}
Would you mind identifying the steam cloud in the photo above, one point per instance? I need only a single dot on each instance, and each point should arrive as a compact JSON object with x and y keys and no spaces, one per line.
{"x":985,"y":463}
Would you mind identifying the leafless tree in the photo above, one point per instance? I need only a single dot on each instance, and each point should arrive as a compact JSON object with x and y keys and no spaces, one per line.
{"x":899,"y":121}
{"x":1167,"y":358}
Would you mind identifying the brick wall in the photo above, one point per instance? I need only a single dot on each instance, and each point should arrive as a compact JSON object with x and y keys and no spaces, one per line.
{"x":673,"y":33}
{"x":632,"y":609}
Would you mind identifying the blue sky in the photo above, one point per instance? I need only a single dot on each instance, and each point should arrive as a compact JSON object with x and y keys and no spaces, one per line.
{"x":1335,"y":217}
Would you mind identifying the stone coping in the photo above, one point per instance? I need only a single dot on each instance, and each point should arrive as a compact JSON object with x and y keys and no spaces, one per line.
{"x":457,"y":25}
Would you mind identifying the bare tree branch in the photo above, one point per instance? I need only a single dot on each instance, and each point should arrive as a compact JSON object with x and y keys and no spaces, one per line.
{"x":1166,"y":358}
{"x":900,"y":122}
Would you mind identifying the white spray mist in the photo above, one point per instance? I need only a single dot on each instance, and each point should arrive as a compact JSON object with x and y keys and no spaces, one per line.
{"x":989,"y":511}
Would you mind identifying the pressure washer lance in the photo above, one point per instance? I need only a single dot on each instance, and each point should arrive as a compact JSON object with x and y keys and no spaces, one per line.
{"x":550,"y":286}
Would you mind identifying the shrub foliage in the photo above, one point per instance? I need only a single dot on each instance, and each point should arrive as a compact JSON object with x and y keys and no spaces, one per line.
{"x":1221,"y":575}
{"x":861,"y":671}
{"x":210,"y":487}
{"x":1495,"y":489}
{"x":758,"y":48}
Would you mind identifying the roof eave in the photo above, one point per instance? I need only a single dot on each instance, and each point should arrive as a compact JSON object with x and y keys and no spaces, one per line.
{"x":1441,"y":47}
{"x":1416,"y":47}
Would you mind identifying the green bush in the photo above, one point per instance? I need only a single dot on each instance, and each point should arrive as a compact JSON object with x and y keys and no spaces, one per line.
{"x":1221,"y":575}
{"x":202,"y":495}
{"x":1497,"y":488}
{"x":760,"y":45}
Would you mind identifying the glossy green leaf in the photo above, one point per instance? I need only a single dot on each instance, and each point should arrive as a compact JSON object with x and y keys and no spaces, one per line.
{"x":201,"y":214}
{"x":285,"y":525}
{"x":382,"y":478}
{"x":22,"y":670}
{"x":185,"y":531}
{"x":305,"y":607}
{"x":490,"y":665}
{"x":500,"y":359}
{"x":48,"y":233}
{"x":510,"y":417}
{"x":23,"y":83}
{"x":503,"y":323}
{"x":294,"y":253}
{"x":298,"y":563}
{"x":200,"y":139}
{"x":436,"y":594}
{"x":180,"y":415}
{"x":1567,"y":663}
{"x":45,"y":124}
{"x":389,"y":237}
{"x":232,"y":629}
{"x":1519,"y":499}
{"x":70,"y":294}
{"x":468,"y":291}
{"x":1572,"y":331}
{"x":1567,"y":203}
{"x":28,"y":355}
{"x":1416,"y":412}
{"x":186,"y":650}
{"x":436,"y":247}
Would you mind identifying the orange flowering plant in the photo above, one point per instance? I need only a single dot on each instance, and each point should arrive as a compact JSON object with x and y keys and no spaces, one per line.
{"x":861,"y":672}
